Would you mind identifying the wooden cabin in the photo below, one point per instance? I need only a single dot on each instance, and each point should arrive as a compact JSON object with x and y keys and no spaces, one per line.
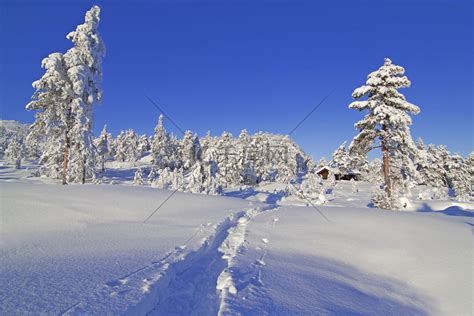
{"x":325,"y":171}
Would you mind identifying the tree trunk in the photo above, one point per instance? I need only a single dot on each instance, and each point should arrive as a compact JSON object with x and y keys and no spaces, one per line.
{"x":67,"y":145}
{"x":84,"y":171}
{"x":386,"y":170}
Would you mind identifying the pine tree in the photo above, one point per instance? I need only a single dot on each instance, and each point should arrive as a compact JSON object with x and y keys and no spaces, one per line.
{"x":14,"y":153}
{"x":64,"y":98}
{"x":121,"y":147}
{"x":52,"y":119}
{"x":227,"y":160}
{"x":102,"y":146}
{"x":138,"y":178}
{"x":190,"y":150}
{"x":151,"y":175}
{"x":196,"y":179}
{"x":245,"y":165}
{"x":458,"y":178}
{"x":84,"y":70}
{"x":387,"y":121}
{"x":160,"y":145}
{"x":143,"y":145}
{"x":341,"y":159}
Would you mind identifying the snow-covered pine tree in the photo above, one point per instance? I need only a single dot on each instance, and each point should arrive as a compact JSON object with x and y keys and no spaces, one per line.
{"x":52,"y":119}
{"x":259,"y":146}
{"x":151,"y":175}
{"x":245,"y":165}
{"x":84,"y":71}
{"x":341,"y":159}
{"x":14,"y":153}
{"x":227,"y":160}
{"x":64,"y":98}
{"x":34,"y":144}
{"x":160,"y":145}
{"x":458,"y":178}
{"x":121,"y":147}
{"x":322,"y":163}
{"x":190,"y":150}
{"x":138,"y":178}
{"x":470,"y":168}
{"x":102,"y":147}
{"x":387,"y":121}
{"x":143,"y":145}
{"x":132,"y":143}
{"x":196,"y":179}
{"x":431,"y":164}
{"x":311,"y":187}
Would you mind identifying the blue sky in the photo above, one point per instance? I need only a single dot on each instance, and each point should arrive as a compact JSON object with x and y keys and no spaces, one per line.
{"x":260,"y":65}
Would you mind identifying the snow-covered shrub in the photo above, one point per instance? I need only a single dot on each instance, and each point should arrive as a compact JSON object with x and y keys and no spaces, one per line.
{"x":138,"y":178}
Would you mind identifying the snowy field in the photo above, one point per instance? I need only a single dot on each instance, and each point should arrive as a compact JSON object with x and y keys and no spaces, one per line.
{"x":85,"y":249}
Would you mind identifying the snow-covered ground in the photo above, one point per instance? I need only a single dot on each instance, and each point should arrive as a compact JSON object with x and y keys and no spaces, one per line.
{"x":85,"y":249}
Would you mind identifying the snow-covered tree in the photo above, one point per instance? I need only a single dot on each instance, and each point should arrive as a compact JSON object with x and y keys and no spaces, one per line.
{"x":53,"y":116}
{"x":84,"y":70}
{"x":127,"y":146}
{"x":431,"y":166}
{"x":190,"y":150}
{"x":151,"y":175}
{"x":227,"y":160}
{"x":387,"y":121}
{"x":102,"y":147}
{"x":321,"y":163}
{"x":14,"y":153}
{"x":341,"y":159}
{"x":64,"y":98}
{"x":143,"y":145}
{"x":161,"y":145}
{"x":196,"y":179}
{"x":138,"y":178}
{"x":458,"y":178}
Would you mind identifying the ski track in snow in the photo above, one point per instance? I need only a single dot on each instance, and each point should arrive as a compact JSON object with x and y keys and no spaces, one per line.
{"x":201,"y":281}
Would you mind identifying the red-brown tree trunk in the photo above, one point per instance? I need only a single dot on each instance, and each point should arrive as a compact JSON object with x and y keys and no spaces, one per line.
{"x":386,"y":170}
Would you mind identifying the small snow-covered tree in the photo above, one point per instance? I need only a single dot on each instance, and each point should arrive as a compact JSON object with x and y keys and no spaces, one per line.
{"x":311,"y":186}
{"x":190,"y":150}
{"x":143,"y":145}
{"x":341,"y":159}
{"x":196,"y":179}
{"x":161,"y":145}
{"x":151,"y":175}
{"x":138,"y":178}
{"x":14,"y":153}
{"x":102,"y":146}
{"x":322,"y":163}
{"x":387,"y":121}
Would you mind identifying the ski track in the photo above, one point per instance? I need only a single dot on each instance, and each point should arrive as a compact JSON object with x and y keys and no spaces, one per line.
{"x":196,"y":282}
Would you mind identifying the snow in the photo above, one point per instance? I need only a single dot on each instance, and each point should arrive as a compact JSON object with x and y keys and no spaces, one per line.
{"x":80,"y":244}
{"x":363,"y":261}
{"x":84,"y":249}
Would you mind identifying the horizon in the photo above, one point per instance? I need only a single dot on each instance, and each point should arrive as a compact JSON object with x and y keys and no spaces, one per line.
{"x":268,"y":74}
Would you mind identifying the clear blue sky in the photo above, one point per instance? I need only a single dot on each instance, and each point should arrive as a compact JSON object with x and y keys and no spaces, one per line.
{"x":260,"y":65}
